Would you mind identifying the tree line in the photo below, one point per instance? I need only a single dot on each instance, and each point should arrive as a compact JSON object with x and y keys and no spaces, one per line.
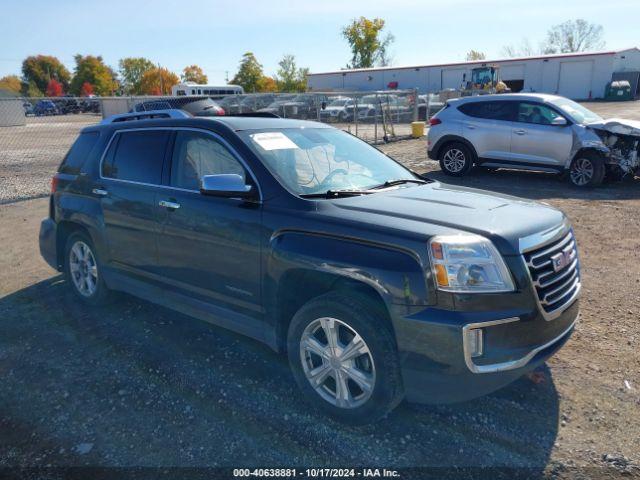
{"x":46,"y":75}
{"x":368,"y":42}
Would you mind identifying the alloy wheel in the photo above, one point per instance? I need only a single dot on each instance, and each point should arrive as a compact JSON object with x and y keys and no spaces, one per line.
{"x":582,"y":172}
{"x":454,"y":160}
{"x":337,"y":362}
{"x":83,"y":268}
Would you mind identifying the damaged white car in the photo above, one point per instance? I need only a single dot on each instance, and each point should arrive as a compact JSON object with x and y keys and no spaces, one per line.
{"x":534,"y":132}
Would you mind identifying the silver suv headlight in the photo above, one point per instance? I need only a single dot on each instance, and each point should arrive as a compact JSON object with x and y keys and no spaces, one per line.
{"x":468,"y":263}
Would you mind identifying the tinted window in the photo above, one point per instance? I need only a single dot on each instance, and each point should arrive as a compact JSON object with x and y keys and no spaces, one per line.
{"x":137,"y":156}
{"x":536,"y":113}
{"x":490,"y":110}
{"x":78,"y":153}
{"x":197,"y":154}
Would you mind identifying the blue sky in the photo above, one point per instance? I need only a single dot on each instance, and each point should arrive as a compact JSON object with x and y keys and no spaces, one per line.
{"x":214,"y":34}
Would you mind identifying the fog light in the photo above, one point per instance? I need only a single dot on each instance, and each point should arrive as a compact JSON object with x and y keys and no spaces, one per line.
{"x":474,"y":338}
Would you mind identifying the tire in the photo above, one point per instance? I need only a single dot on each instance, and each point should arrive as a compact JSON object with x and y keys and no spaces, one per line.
{"x":456,"y":159}
{"x":378,"y":389}
{"x":587,"y":170}
{"x":80,"y":260}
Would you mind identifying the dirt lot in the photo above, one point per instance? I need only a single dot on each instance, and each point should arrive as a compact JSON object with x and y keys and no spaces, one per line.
{"x":133,"y":384}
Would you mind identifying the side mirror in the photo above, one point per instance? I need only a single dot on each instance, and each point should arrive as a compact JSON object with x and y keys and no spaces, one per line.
{"x":228,"y":185}
{"x":559,"y":121}
{"x":323,"y":105}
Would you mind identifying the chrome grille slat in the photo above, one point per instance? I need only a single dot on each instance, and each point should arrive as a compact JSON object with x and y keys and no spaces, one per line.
{"x":554,"y":289}
{"x":568,"y":271}
{"x":553,"y":247}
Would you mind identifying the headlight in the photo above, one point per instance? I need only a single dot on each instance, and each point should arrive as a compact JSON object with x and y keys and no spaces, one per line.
{"x":468,"y":264}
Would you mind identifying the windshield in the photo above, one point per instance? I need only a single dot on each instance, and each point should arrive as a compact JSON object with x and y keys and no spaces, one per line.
{"x":576,"y":111}
{"x":315,"y":160}
{"x":339,"y":103}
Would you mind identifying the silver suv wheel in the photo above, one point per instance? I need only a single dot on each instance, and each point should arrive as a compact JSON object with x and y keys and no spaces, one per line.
{"x":454,"y":160}
{"x":83,"y":269}
{"x":582,"y":171}
{"x":337,"y":362}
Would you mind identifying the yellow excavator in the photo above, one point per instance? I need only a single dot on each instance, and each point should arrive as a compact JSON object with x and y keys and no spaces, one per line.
{"x":484,"y":80}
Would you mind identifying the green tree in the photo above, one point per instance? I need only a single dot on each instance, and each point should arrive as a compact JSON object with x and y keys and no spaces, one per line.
{"x":289,"y":77}
{"x":93,"y":70}
{"x":158,"y":81}
{"x":193,"y":73}
{"x":574,"y":36}
{"x":249,"y":74}
{"x":367,"y":44}
{"x":11,"y":83}
{"x":131,"y":70}
{"x":475,"y":55}
{"x":31,"y":90}
{"x":39,"y":69}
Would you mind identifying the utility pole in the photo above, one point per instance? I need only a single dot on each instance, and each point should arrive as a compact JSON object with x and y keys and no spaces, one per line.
{"x":226,"y":76}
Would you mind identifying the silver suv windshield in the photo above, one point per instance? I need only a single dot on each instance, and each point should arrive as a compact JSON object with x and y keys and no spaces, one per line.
{"x":577,"y":112}
{"x":310,"y":161}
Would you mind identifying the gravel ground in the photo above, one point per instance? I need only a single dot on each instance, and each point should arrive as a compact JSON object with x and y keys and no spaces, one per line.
{"x":134,"y":384}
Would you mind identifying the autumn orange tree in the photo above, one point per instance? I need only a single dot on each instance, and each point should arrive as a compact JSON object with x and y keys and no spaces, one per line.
{"x":86,"y":89}
{"x":158,"y":81}
{"x":11,"y":83}
{"x":54,"y":88}
{"x":193,"y":73}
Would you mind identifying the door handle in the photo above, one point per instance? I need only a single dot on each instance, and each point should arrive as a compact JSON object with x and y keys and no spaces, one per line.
{"x":520,"y":132}
{"x":167,"y":204}
{"x":100,"y":192}
{"x":471,"y":127}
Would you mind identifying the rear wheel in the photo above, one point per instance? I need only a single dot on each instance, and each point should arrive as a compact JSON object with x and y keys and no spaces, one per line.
{"x":343,"y":358}
{"x":83,"y":271}
{"x":456,"y":159}
{"x":586,"y":170}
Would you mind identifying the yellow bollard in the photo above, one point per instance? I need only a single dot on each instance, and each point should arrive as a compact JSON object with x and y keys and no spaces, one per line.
{"x":417,"y":129}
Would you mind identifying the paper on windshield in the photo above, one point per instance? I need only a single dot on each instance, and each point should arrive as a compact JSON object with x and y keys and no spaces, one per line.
{"x":273,"y":141}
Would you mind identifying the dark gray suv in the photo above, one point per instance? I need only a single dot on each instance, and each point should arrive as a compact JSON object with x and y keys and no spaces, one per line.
{"x":378,"y":283}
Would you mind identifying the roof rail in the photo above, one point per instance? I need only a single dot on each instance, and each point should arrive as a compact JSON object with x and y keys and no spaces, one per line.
{"x":127,"y":117}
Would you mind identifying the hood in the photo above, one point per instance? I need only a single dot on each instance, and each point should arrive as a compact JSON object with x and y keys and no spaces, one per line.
{"x":503,"y":219}
{"x":618,"y":126}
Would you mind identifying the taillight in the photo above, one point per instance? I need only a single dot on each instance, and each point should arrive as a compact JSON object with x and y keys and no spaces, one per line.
{"x":434,"y":121}
{"x":221,"y":111}
{"x":54,"y":183}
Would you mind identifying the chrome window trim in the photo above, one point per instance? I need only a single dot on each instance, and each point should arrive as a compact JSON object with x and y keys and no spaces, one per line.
{"x":216,"y":136}
{"x":503,"y":366}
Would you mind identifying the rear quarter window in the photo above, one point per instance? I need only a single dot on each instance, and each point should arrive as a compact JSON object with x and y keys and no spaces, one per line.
{"x":137,"y":156}
{"x":78,"y":153}
{"x":498,"y":110}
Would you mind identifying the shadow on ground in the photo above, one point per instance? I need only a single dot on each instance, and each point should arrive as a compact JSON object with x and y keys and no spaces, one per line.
{"x":537,"y":185}
{"x":136,"y":384}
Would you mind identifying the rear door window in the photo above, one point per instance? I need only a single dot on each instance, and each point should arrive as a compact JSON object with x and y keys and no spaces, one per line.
{"x":495,"y":110}
{"x":137,"y":156}
{"x":78,"y":153}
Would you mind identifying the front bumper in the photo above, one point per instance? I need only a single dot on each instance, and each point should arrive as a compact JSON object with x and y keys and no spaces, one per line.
{"x":437,"y":366}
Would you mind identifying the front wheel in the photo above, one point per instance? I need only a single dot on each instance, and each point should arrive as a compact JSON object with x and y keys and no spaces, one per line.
{"x":456,"y":159}
{"x":343,"y":358}
{"x":587,"y":170}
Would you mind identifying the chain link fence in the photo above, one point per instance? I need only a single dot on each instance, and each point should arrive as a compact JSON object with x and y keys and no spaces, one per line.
{"x":36,"y":133}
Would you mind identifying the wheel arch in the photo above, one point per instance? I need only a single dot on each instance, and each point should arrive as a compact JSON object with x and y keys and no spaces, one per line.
{"x":448,"y":140}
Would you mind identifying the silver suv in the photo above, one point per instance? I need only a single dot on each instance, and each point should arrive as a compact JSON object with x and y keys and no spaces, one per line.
{"x":533,"y":132}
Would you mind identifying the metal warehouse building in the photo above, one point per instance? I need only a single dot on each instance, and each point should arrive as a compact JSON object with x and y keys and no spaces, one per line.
{"x":576,"y":75}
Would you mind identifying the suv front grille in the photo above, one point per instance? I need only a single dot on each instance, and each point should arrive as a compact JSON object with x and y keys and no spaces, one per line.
{"x":555,"y":272}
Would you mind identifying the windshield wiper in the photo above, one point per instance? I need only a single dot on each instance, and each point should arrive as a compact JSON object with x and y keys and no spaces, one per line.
{"x":391,"y":183}
{"x":336,"y":194}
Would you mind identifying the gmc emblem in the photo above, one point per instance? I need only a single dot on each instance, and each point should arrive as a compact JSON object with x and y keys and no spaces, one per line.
{"x":561,"y":260}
